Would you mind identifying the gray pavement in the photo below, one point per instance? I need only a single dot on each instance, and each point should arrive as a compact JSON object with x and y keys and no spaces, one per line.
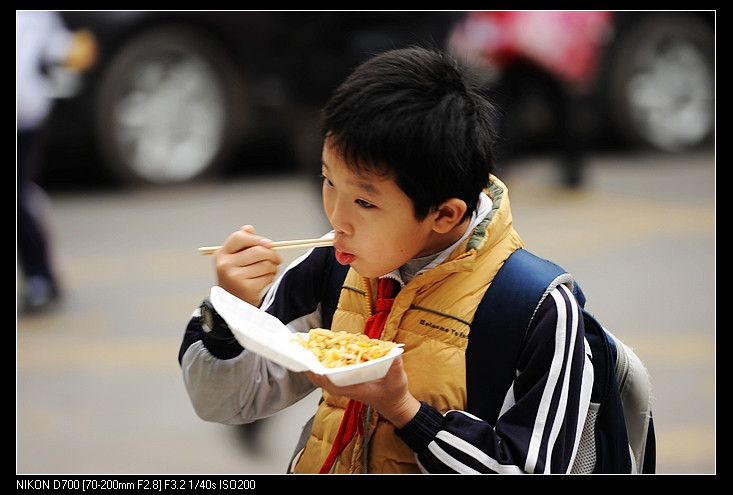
{"x":99,"y":390}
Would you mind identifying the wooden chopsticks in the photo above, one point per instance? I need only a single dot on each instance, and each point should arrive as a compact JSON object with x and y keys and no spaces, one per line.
{"x":294,"y":244}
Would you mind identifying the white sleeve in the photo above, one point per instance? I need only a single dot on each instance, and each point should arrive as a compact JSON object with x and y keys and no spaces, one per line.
{"x":239,"y":390}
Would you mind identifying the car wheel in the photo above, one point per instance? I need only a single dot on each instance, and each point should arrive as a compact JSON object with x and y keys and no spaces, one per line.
{"x":662,"y":83}
{"x":169,"y":108}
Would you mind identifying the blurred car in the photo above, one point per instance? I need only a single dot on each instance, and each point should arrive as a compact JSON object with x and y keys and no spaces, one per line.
{"x":176,"y":95}
{"x":632,"y":78}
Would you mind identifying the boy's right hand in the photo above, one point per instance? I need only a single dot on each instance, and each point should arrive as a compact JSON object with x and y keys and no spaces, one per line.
{"x":245,"y":265}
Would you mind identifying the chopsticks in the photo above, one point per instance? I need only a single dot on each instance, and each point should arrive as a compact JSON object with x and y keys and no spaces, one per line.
{"x":294,"y":244}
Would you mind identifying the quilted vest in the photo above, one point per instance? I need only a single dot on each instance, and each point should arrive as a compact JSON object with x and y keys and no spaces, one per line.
{"x":431,"y":316}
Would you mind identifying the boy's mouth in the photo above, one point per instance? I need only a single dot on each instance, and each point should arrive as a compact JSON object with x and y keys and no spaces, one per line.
{"x":343,"y":257}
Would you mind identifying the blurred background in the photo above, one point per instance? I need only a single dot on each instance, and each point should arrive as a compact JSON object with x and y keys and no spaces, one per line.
{"x":191,"y":124}
{"x":180,"y":95}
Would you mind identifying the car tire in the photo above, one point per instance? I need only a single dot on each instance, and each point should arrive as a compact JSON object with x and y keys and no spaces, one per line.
{"x":662,"y":83}
{"x":169,"y":108}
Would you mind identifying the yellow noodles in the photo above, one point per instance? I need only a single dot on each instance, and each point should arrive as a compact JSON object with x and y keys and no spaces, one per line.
{"x":336,"y":349}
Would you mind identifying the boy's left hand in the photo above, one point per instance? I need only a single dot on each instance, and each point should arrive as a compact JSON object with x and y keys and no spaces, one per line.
{"x":388,"y":395}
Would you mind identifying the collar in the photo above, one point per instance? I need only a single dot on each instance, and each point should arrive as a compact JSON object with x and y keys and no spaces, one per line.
{"x":485,"y":204}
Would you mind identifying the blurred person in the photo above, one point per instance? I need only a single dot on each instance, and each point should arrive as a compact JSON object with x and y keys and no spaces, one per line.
{"x":528,"y":57}
{"x":43,"y":42}
{"x":408,"y":187}
{"x":567,"y":138}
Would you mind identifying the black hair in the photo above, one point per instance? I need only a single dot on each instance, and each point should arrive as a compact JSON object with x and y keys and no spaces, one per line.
{"x":413,"y":114}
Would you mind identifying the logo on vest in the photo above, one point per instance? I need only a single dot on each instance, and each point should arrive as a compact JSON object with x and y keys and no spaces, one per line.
{"x":452,"y":331}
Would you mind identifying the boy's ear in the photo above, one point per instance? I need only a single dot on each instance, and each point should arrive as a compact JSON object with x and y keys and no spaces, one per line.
{"x":448,"y":215}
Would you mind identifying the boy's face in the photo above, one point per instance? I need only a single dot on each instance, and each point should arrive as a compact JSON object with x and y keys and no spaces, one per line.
{"x":374,"y":220}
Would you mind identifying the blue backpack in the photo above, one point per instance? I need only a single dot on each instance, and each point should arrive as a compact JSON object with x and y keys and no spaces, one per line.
{"x":618,"y":435}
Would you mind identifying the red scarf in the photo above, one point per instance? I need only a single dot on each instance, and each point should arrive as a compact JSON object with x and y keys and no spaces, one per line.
{"x":353,"y":415}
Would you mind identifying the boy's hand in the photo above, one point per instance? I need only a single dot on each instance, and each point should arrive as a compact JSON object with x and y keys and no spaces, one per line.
{"x":388,"y":395}
{"x":245,"y":265}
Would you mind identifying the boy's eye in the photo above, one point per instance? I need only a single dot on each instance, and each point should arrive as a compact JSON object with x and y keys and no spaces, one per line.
{"x":325,"y":180}
{"x":365,"y":204}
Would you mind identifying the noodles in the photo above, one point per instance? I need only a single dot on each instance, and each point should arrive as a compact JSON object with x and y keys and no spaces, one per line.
{"x":336,"y":349}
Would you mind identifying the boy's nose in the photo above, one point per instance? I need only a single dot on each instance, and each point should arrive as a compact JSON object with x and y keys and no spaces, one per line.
{"x":337,"y":219}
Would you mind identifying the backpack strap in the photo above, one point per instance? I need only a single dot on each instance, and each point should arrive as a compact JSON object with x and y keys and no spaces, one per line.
{"x":501,"y":323}
{"x":509,"y":304}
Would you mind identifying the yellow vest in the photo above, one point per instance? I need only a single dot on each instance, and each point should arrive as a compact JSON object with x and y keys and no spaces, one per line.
{"x":431,"y":316}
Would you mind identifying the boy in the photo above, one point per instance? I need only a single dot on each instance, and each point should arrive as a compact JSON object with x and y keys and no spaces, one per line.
{"x":408,"y":189}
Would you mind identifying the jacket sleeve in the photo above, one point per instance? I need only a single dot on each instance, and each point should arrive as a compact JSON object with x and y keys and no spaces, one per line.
{"x":229,"y":384}
{"x":543,"y":412}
